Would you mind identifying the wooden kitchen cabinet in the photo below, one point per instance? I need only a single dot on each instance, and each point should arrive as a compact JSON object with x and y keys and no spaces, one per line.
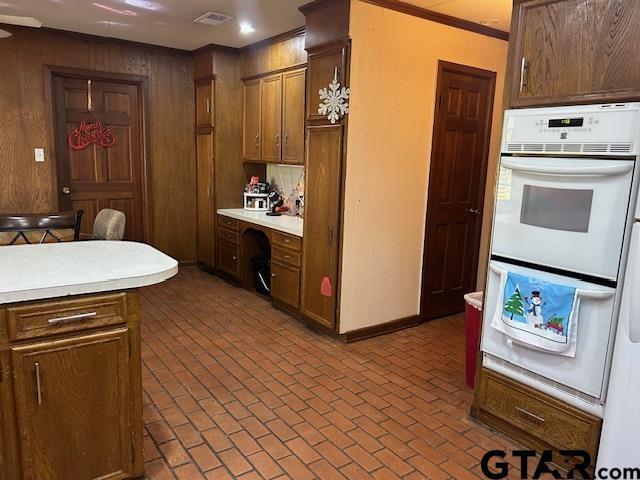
{"x":574,"y":51}
{"x":271,"y":118}
{"x":73,"y":388}
{"x":293,"y":114}
{"x":274,"y":118}
{"x":321,"y":223}
{"x":204,"y":103}
{"x":285,"y":284}
{"x":229,"y":258}
{"x":251,"y":120}
{"x":205,"y":198}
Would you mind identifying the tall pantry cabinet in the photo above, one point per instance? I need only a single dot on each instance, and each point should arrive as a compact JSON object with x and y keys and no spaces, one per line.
{"x":327,"y":45}
{"x":219,"y":172}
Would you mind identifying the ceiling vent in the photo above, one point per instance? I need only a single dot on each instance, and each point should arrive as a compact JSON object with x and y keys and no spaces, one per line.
{"x":213,"y":18}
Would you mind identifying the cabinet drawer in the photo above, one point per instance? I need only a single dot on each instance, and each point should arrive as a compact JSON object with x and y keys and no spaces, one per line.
{"x":551,"y":421}
{"x":228,"y":258}
{"x":288,"y":257}
{"x":229,"y":235}
{"x":285,"y":284}
{"x":228,"y":222}
{"x":286,"y":240}
{"x":56,"y":317}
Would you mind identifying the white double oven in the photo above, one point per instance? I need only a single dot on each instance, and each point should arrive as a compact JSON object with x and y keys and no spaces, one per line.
{"x":565,"y":199}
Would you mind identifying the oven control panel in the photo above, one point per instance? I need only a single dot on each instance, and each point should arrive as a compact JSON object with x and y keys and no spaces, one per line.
{"x":612,"y":129}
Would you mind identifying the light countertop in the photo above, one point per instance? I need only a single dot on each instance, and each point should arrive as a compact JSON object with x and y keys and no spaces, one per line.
{"x":283,"y":223}
{"x":32,"y":272}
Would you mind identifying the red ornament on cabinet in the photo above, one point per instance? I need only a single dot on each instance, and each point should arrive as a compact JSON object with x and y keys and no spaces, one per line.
{"x":88,"y":133}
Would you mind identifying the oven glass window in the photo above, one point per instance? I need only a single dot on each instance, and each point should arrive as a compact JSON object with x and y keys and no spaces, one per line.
{"x":556,"y":208}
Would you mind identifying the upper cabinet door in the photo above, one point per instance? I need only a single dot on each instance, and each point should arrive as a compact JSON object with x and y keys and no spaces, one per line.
{"x":251,"y":121}
{"x":575,"y":51}
{"x":204,"y":103}
{"x":293,"y":94}
{"x":271,"y":114}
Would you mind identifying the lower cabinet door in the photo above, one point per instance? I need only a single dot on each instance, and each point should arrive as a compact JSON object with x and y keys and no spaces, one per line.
{"x":229,"y":257}
{"x":285,"y":284}
{"x":74,"y":401}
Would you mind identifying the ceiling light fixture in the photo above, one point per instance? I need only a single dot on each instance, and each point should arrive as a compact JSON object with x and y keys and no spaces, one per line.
{"x":128,"y":13}
{"x":246,"y":27}
{"x":144,"y":4}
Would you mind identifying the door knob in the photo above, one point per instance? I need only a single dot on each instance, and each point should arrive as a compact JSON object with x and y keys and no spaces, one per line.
{"x":474,"y":211}
{"x":66,"y":190}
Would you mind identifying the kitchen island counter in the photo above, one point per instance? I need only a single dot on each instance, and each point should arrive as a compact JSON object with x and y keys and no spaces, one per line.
{"x":34,"y":272}
{"x":283,"y":223}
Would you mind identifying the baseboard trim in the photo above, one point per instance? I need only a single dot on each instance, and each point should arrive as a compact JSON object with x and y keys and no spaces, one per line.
{"x":382,"y":329}
{"x":187,"y":263}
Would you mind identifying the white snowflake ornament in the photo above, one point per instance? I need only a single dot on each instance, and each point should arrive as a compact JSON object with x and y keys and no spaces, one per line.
{"x":335,"y":100}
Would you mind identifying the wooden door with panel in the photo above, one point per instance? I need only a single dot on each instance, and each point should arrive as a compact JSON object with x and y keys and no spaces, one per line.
{"x":94,"y":177}
{"x":205,"y":198}
{"x":271,"y":118}
{"x":457,"y":175}
{"x":320,"y":243}
{"x":285,"y":284}
{"x":574,"y":51}
{"x":251,"y":120}
{"x":74,"y":408}
{"x":293,"y":116}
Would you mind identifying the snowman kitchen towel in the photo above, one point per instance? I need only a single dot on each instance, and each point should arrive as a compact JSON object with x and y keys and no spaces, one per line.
{"x":538,"y":314}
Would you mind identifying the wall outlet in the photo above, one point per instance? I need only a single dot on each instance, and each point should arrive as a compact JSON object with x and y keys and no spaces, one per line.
{"x":39,"y":154}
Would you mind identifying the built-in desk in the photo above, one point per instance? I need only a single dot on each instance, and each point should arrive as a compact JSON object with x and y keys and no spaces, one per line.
{"x":243,"y":234}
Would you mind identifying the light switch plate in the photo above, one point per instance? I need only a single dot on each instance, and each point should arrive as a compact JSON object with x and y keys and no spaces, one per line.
{"x":39,"y":154}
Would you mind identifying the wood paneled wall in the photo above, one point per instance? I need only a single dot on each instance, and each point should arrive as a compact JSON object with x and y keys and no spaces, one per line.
{"x":26,"y":186}
{"x":258,"y":59}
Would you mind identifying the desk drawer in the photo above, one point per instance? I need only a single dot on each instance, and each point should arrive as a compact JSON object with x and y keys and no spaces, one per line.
{"x":286,"y":240}
{"x":287,"y":257}
{"x":64,"y":316}
{"x":537,"y":414}
{"x":229,"y":235}
{"x":228,"y":222}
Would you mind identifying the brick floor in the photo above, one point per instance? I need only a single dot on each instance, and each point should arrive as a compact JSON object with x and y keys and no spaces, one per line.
{"x":233,"y":388}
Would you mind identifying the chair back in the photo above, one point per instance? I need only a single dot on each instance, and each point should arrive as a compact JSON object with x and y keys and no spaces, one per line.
{"x":42,"y":222}
{"x":109,"y":225}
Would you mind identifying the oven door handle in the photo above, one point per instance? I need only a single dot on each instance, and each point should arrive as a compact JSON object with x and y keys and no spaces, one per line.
{"x":598,"y":171}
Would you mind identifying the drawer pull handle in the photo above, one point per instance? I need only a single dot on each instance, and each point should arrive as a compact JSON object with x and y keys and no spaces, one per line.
{"x":529,"y":414}
{"x":38,"y":383}
{"x":286,"y":240}
{"x":234,"y":257}
{"x":286,"y":257}
{"x":71,"y":318}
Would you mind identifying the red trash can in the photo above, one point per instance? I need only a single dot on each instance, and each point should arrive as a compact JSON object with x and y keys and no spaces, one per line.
{"x":472,"y":325}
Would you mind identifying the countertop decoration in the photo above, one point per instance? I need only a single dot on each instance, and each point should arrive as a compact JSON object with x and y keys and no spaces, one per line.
{"x":335,"y":100}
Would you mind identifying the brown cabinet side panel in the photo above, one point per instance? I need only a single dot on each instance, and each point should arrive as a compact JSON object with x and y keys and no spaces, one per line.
{"x":205,"y":198}
{"x":321,"y":223}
